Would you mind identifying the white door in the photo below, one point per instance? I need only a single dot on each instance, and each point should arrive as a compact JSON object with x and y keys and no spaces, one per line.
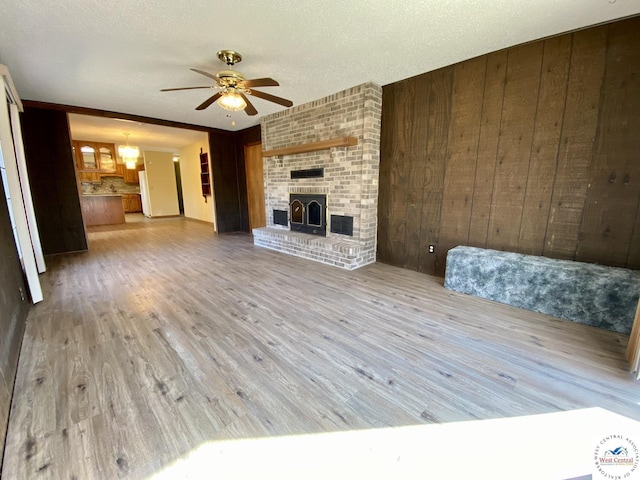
{"x":144,"y":193}
{"x":16,"y":194}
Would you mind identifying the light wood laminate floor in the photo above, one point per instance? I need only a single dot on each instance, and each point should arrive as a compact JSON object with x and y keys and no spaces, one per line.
{"x":165,"y":336}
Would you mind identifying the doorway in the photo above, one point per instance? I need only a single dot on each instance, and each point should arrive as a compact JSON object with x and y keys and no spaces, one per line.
{"x":167,"y":179}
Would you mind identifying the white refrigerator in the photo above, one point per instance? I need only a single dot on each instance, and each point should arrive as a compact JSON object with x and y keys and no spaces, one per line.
{"x":144,"y":193}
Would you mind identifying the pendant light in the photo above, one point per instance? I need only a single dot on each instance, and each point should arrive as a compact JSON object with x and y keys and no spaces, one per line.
{"x":129,"y":154}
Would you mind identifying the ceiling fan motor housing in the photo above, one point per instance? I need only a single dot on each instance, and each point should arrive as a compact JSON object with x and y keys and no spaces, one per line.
{"x":229,"y":57}
{"x":229,"y":78}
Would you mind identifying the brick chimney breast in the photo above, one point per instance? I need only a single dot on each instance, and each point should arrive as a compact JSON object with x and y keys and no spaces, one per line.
{"x":350,"y":179}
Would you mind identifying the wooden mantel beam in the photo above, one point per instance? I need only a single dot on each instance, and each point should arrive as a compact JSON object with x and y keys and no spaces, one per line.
{"x":312,"y":147}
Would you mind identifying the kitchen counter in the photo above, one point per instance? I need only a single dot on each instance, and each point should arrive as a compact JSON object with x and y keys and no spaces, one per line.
{"x":102,"y":209}
{"x":116,"y":194}
{"x":102,"y":194}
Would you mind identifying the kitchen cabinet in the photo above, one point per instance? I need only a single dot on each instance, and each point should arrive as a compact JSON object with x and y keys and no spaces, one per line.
{"x":86,"y":156}
{"x":106,"y":157}
{"x":95,"y":156}
{"x":92,"y":177}
{"x":131,"y":176}
{"x":131,"y":202}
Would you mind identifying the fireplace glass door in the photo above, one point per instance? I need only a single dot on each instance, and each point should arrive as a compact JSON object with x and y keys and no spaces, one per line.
{"x":297,"y":212}
{"x":308,"y":213}
{"x":314,"y":214}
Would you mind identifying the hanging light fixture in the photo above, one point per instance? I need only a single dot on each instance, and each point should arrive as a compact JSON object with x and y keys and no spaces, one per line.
{"x":129,"y":154}
{"x":232,"y":100}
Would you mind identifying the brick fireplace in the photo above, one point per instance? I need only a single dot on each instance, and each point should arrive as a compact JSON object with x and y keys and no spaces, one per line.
{"x":346,"y":176}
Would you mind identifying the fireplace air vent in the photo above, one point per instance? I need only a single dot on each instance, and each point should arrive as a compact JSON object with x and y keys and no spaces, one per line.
{"x":280,"y":217}
{"x":308,"y":173}
{"x":342,"y":225}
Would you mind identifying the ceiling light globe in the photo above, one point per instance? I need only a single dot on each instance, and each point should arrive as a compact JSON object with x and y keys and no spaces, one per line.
{"x":232,"y":100}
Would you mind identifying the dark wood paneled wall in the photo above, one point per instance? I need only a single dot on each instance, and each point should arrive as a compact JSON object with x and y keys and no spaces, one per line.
{"x":533,"y":149}
{"x":13,"y":313}
{"x":224,"y":168}
{"x":229,"y":177}
{"x":52,"y":176}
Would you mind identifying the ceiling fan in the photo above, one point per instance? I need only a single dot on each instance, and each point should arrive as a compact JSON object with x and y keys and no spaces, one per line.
{"x":234,"y":87}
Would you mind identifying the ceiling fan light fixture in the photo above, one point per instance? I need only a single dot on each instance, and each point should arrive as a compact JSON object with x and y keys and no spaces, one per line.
{"x":234,"y":88}
{"x":232,"y":100}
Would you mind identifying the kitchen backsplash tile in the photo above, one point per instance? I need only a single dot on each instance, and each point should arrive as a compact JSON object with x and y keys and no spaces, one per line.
{"x":109,"y":185}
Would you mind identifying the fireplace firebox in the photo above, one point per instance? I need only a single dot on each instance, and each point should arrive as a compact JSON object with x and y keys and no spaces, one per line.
{"x":308,"y":213}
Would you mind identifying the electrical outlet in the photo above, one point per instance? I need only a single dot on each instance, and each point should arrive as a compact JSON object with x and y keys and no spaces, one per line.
{"x":432,"y":249}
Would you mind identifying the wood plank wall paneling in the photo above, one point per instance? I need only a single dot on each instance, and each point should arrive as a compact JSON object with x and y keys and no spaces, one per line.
{"x":229,"y":177}
{"x":576,"y":143}
{"x":438,"y":129}
{"x":521,"y":89}
{"x":224,"y":167}
{"x":532,"y":149}
{"x":417,"y":93}
{"x":493,"y":94}
{"x":612,"y":196}
{"x":545,"y":143}
{"x":399,"y":174}
{"x":390,"y":124}
{"x":52,"y":175}
{"x":13,"y":314}
{"x":462,"y":153}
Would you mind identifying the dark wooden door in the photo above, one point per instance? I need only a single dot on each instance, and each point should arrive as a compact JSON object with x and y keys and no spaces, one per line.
{"x":255,"y":185}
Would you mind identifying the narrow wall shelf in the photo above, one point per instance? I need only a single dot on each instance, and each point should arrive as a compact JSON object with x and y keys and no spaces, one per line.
{"x":205,"y":178}
{"x":312,"y":147}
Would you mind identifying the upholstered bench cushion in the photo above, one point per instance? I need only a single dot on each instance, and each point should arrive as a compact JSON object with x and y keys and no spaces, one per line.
{"x":596,"y":295}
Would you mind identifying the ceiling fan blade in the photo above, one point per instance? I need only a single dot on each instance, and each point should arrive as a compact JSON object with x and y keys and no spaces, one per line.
{"x":249,"y":109}
{"x":209,"y":101}
{"x":184,"y":88}
{"x":260,"y":82}
{"x":206,"y":74}
{"x":272,"y":98}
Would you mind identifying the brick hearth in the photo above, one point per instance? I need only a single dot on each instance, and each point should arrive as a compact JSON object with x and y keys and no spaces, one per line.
{"x":350,"y":174}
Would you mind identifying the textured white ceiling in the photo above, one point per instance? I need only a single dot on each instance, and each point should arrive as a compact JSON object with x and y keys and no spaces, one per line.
{"x":118,"y":55}
{"x":143,"y":135}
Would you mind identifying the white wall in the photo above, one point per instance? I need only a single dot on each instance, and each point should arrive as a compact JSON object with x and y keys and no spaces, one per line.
{"x":194,"y":203}
{"x":161,"y":176}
